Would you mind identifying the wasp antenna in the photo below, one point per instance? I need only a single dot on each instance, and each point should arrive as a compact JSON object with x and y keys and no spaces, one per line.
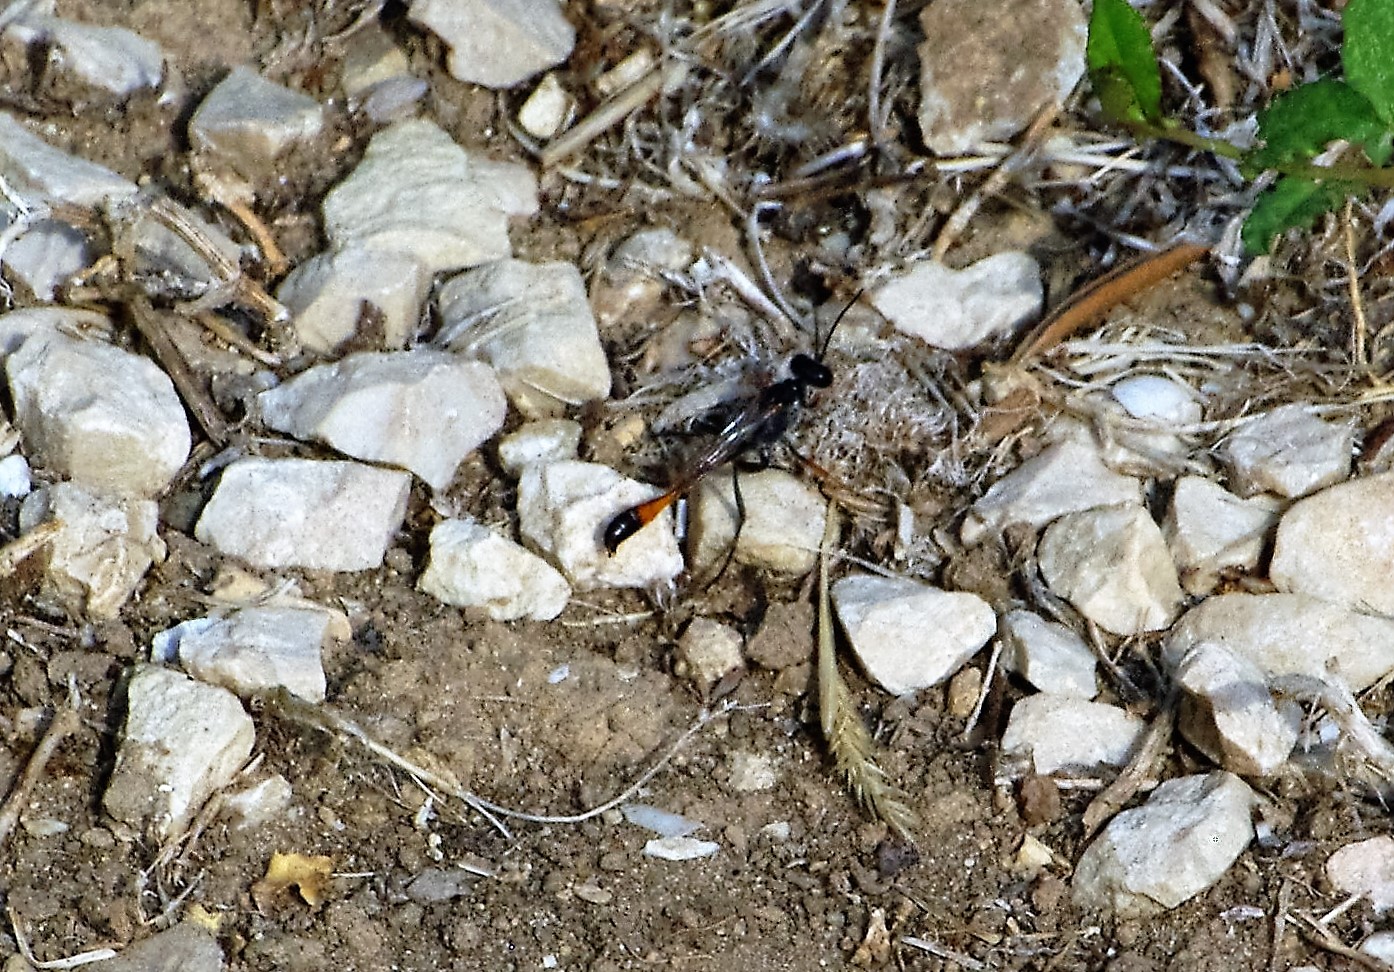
{"x":828,"y":338}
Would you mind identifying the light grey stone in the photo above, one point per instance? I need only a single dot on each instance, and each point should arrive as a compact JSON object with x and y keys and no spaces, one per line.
{"x":1065,"y":477}
{"x":39,"y":172}
{"x":545,"y":440}
{"x":257,"y":805}
{"x":1209,"y":531}
{"x":1048,"y":655}
{"x":1173,"y":847}
{"x":1228,"y":713}
{"x":1155,"y":398}
{"x":102,"y":549}
{"x":1380,"y":946}
{"x":532,"y":322}
{"x":257,"y":649}
{"x":392,"y":100}
{"x":1290,"y":634}
{"x":680,"y":848}
{"x":249,"y":122}
{"x":371,"y":57}
{"x":325,"y":296}
{"x":305,"y":513}
{"x":752,"y":772}
{"x":632,"y":285}
{"x":1057,"y":733}
{"x":183,"y":948}
{"x":114,"y":60}
{"x":1288,"y":451}
{"x":1365,"y":868}
{"x":780,"y":532}
{"x":959,"y":309}
{"x":182,"y":741}
{"x":708,"y":652}
{"x":418,"y":193}
{"x":423,"y":410}
{"x":547,"y":109}
{"x":1338,"y":545}
{"x":100,"y":415}
{"x":472,"y":566}
{"x":1112,"y":564}
{"x":164,"y":262}
{"x":46,"y":255}
{"x":498,"y":43}
{"x":908,"y":635}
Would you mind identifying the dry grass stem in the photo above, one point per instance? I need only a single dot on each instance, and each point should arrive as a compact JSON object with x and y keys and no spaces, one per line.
{"x":66,"y":721}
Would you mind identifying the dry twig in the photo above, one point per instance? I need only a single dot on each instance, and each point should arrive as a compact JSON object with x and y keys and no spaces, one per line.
{"x":66,"y":721}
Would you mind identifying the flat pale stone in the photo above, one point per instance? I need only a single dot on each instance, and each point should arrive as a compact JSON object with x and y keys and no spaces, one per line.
{"x":249,"y":122}
{"x":709,"y":651}
{"x":498,"y":43}
{"x":325,"y":296}
{"x":1229,"y":714}
{"x":418,"y":193}
{"x":185,"y":947}
{"x":1112,"y":564}
{"x":1365,"y":867}
{"x":305,"y":513}
{"x":371,"y":57}
{"x":1288,"y":451}
{"x":46,"y":255}
{"x":1173,"y":847}
{"x":958,"y":309}
{"x":182,"y":741}
{"x":256,"y":649}
{"x":1058,"y":733}
{"x":1048,"y":655}
{"x":781,"y":530}
{"x":423,"y":410}
{"x":533,"y":323}
{"x":38,"y":171}
{"x":1338,"y":545}
{"x":680,"y":848}
{"x":100,"y":415}
{"x":111,"y":59}
{"x":908,"y":635}
{"x":1290,"y":634}
{"x":101,"y":551}
{"x":563,"y":510}
{"x":1209,"y":530}
{"x":1066,"y":477}
{"x":472,"y":566}
{"x":1156,"y":398}
{"x":544,"y":440}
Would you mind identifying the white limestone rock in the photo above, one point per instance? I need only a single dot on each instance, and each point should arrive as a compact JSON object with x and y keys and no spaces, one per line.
{"x":101,"y":549}
{"x":472,"y":566}
{"x":1210,"y":531}
{"x":1173,"y":847}
{"x":1288,"y":451}
{"x":326,"y":295}
{"x":1228,"y":713}
{"x":680,"y":848}
{"x":182,"y":741}
{"x":1290,"y":634}
{"x":498,"y":43}
{"x":1338,"y":545}
{"x":532,"y":322}
{"x":708,"y":653}
{"x":112,"y":60}
{"x":15,"y":481}
{"x":254,"y":649}
{"x":563,"y":509}
{"x":100,"y":415}
{"x":544,"y":440}
{"x":248,"y":122}
{"x":1156,"y":398}
{"x":781,"y":530}
{"x":257,"y":805}
{"x":417,"y":193}
{"x":1065,"y":477}
{"x":305,"y":513}
{"x":1365,"y":868}
{"x":908,"y":635}
{"x":1060,"y":734}
{"x":46,"y":255}
{"x":959,"y":309}
{"x":423,"y":410}
{"x":1048,"y":655}
{"x":1112,"y":564}
{"x":547,"y":109}
{"x":39,"y":172}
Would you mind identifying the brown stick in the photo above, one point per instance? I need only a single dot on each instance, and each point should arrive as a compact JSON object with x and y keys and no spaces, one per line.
{"x":65,"y":723}
{"x":198,"y":401}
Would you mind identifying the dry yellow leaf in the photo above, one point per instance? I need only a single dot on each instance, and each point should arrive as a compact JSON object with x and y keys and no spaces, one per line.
{"x":308,"y":875}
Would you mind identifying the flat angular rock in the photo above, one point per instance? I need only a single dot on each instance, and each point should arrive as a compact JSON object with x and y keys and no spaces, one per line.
{"x":1288,"y":451}
{"x":1173,"y":847}
{"x":326,"y":296}
{"x":498,"y":43}
{"x":423,"y":410}
{"x":100,"y":415}
{"x":988,"y":68}
{"x":709,"y":652}
{"x":545,"y":440}
{"x":305,"y":513}
{"x":184,"y":948}
{"x":46,"y":255}
{"x":781,"y":530}
{"x":1048,"y":655}
{"x":248,"y":122}
{"x":1290,"y":634}
{"x":533,"y":323}
{"x":1338,"y":545}
{"x":680,"y":848}
{"x":1112,"y":564}
{"x":254,"y":649}
{"x":563,"y":509}
{"x":958,"y":309}
{"x":907,"y":635}
{"x":1066,"y":477}
{"x":1229,"y":714}
{"x":182,"y":741}
{"x":1057,"y":733}
{"x":417,"y":193}
{"x":38,"y":171}
{"x":113,"y":60}
{"x":102,"y":549}
{"x":472,"y":566}
{"x":1366,"y":868}
{"x":1209,"y":531}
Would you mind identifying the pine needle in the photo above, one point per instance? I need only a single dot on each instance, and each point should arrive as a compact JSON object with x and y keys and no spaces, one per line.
{"x":846,"y":735}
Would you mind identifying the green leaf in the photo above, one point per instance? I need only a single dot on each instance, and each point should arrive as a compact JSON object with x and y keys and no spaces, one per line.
{"x":1368,"y":53}
{"x":1300,"y":123}
{"x":1291,"y":203}
{"x":1122,"y":67}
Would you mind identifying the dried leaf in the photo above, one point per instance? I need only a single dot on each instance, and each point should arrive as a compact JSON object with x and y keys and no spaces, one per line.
{"x":308,"y":875}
